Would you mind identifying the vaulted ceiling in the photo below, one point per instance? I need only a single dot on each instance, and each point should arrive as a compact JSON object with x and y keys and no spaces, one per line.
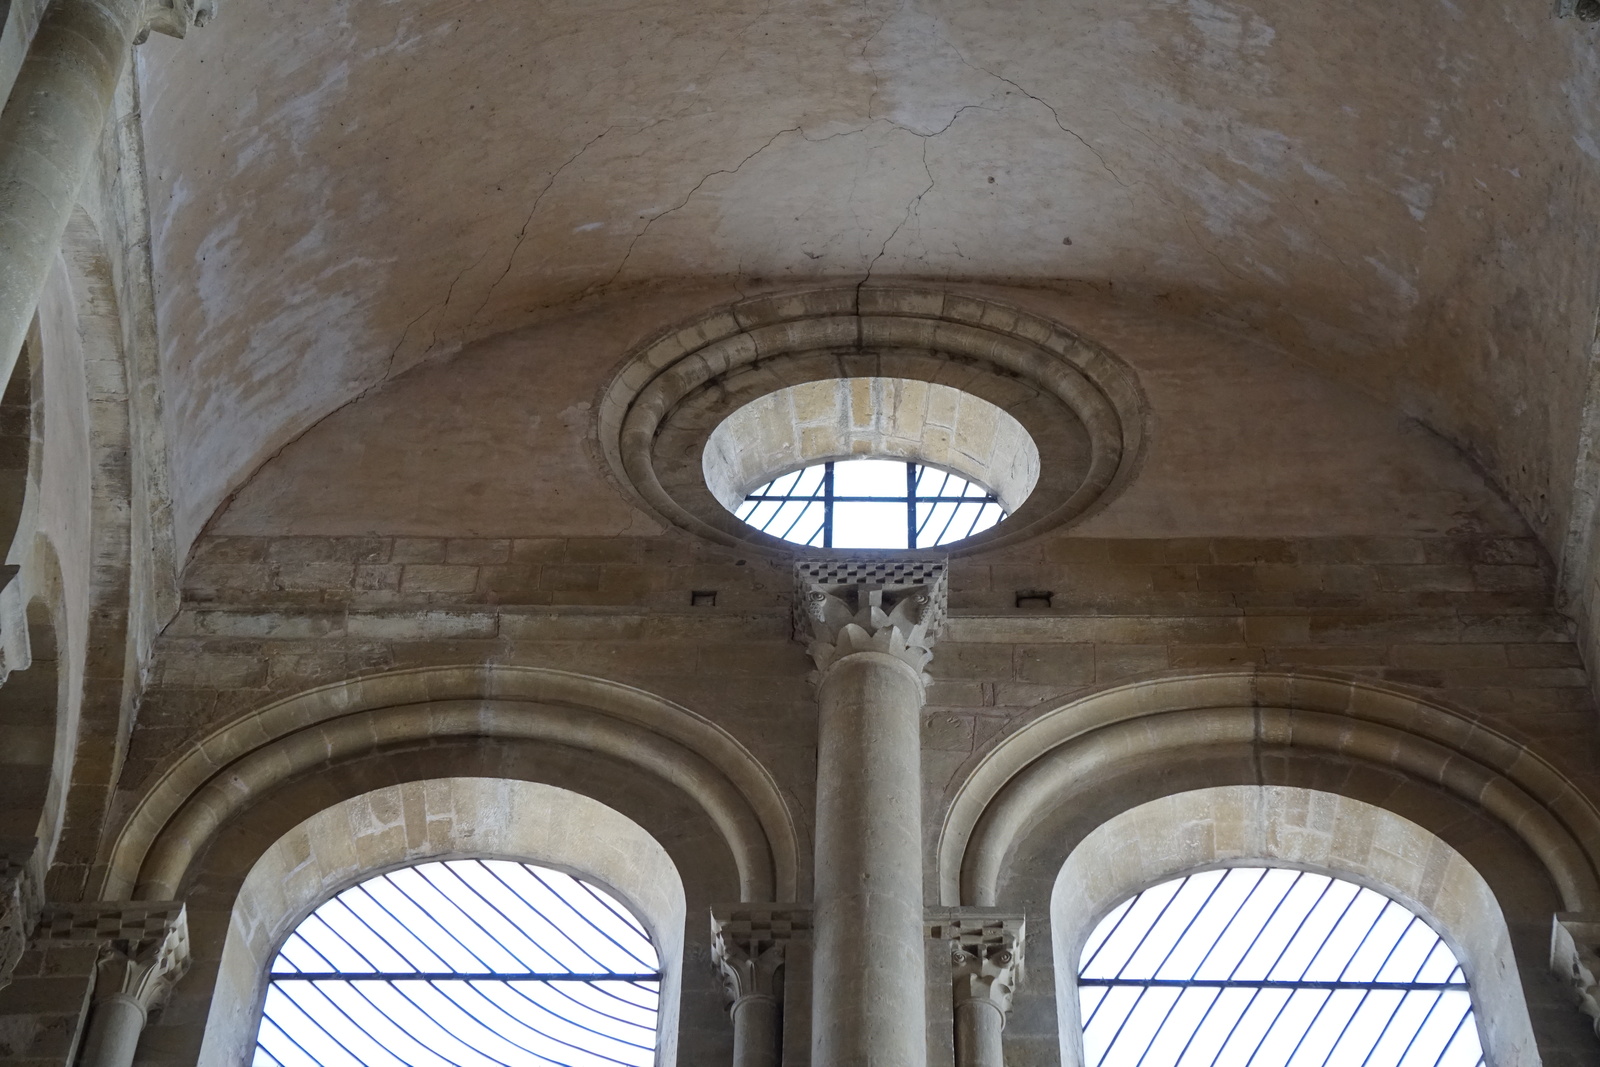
{"x":1402,"y":194}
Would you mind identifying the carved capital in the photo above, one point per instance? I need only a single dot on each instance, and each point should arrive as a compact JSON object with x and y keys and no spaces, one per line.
{"x":1575,"y":957}
{"x":986,"y":957}
{"x":21,"y":901}
{"x":144,"y":947}
{"x":748,"y":948}
{"x":893,"y":606}
{"x":175,"y":17}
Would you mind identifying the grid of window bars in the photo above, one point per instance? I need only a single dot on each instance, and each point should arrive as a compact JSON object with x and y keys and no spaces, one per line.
{"x":1259,"y":967}
{"x":464,"y":963}
{"x":871,"y":503}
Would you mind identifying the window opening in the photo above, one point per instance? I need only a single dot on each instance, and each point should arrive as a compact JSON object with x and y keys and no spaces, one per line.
{"x":1266,"y":967}
{"x":871,"y":503}
{"x":464,"y":963}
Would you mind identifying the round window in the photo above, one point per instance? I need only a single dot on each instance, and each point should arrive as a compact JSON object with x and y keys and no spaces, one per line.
{"x":871,"y":463}
{"x":864,"y":417}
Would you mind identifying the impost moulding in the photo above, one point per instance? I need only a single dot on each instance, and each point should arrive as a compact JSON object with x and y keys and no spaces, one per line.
{"x":870,"y":604}
{"x":749,"y":946}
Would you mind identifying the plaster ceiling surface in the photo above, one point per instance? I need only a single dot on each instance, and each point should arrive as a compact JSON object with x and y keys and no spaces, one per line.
{"x":1399,"y":193}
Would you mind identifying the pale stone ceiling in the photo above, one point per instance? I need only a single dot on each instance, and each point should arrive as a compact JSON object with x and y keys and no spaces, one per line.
{"x":1399,"y":193}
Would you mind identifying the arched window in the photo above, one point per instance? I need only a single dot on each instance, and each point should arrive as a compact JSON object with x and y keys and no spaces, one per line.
{"x":464,"y":963}
{"x":1271,"y":967}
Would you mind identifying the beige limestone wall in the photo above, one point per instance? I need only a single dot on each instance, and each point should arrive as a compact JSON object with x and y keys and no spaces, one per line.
{"x":1243,"y":443}
{"x":892,"y":417}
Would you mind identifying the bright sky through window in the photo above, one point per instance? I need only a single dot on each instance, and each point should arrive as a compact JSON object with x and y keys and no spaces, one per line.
{"x":1257,"y":967}
{"x":465,"y":963}
{"x":871,"y":503}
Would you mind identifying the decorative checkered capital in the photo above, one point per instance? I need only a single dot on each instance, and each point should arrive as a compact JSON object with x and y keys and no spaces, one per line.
{"x":986,"y":957}
{"x":749,"y":945}
{"x":870,"y":604}
{"x":1575,"y":958}
{"x":144,"y":946}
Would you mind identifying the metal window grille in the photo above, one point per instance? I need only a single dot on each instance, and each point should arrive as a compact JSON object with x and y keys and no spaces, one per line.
{"x":464,"y":963}
{"x":871,"y":503}
{"x":1261,"y":967}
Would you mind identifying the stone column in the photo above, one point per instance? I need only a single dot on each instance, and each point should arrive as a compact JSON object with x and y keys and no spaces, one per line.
{"x":749,"y":946}
{"x":144,"y":950}
{"x":871,"y":624}
{"x":49,"y":129}
{"x":986,"y":965}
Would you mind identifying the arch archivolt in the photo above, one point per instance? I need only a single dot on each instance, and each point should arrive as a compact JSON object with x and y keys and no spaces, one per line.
{"x":1257,"y":726}
{"x":594,"y":735}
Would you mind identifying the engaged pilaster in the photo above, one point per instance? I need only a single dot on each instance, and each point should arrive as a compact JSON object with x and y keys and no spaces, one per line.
{"x":750,"y":947}
{"x":871,"y":624}
{"x":144,"y":951}
{"x":986,"y":962}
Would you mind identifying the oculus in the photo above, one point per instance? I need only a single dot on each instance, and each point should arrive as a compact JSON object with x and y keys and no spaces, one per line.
{"x":700,"y":417}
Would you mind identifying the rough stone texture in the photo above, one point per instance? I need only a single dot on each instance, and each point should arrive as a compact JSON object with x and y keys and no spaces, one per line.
{"x":887,"y":417}
{"x":1402,"y":195}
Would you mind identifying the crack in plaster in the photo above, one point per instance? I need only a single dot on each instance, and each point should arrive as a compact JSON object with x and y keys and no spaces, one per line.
{"x":626,"y":256}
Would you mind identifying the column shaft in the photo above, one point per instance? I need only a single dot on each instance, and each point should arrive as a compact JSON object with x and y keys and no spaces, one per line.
{"x":868,"y":979}
{"x":755,"y":1032}
{"x":115,"y":1023}
{"x":49,"y":130}
{"x":978,"y":1027}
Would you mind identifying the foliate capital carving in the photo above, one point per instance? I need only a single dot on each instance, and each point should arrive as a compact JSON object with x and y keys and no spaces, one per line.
{"x":21,"y":900}
{"x":1575,"y":957}
{"x":986,"y":955}
{"x":175,"y":17}
{"x":894,"y":606}
{"x":749,"y":946}
{"x":144,"y":947}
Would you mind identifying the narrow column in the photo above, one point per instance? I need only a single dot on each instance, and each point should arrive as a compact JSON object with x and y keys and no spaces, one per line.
{"x":871,"y":622}
{"x":49,"y":130}
{"x":144,"y":950}
{"x":985,"y":967}
{"x":749,"y":946}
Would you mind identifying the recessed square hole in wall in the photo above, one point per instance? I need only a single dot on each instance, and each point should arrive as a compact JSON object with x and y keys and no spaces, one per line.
{"x":703,"y":598}
{"x":1034,"y":599}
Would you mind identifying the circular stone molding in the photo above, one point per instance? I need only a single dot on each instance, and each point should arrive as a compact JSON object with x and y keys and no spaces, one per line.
{"x":1079,"y":404}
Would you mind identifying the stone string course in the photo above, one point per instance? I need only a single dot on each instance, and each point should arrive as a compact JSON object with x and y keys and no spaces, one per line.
{"x":1468,"y":619}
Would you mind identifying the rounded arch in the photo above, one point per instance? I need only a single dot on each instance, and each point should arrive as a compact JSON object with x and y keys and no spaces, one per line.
{"x":487,"y":715}
{"x":1256,"y":726}
{"x":1286,"y":826}
{"x":400,"y":826}
{"x":1030,"y":800}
